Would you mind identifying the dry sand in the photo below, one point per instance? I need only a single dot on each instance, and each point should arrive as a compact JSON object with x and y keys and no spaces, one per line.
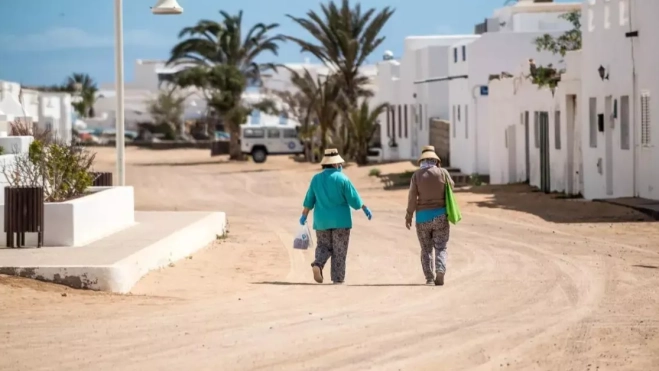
{"x":534,"y":283}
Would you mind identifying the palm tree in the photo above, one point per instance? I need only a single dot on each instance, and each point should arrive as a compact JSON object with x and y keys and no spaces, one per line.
{"x":345,"y":37}
{"x":85,"y":86}
{"x":363,"y":123}
{"x":323,"y":98}
{"x":209,"y":44}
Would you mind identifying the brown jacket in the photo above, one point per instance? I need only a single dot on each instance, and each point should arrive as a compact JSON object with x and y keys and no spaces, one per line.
{"x":427,"y":190}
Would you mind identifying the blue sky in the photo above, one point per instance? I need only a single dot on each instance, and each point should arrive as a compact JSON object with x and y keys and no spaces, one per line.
{"x":43,"y":41}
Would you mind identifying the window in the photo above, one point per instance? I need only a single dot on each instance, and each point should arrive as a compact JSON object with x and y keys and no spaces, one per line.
{"x":592,"y":117}
{"x":557,"y":129}
{"x":400,"y":121}
{"x":289,"y":133}
{"x":459,"y":116}
{"x":389,"y":122}
{"x":273,"y":133}
{"x":405,"y":114}
{"x":466,"y":121}
{"x":624,"y":122}
{"x":453,"y":123}
{"x":607,"y":17}
{"x":622,"y":12}
{"x":415,"y":116}
{"x":591,"y":20}
{"x":393,"y":122}
{"x":420,"y":117}
{"x":253,"y":133}
{"x":464,"y":52}
{"x":536,"y":128}
{"x":455,"y":55}
{"x":645,"y":119}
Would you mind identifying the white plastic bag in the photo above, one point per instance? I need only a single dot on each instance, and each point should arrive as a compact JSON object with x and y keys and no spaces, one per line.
{"x":303,"y":238}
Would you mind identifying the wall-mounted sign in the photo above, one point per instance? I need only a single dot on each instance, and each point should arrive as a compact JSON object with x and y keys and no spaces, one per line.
{"x":485,"y":90}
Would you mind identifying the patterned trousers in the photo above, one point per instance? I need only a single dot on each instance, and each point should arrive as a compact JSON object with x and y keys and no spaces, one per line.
{"x":333,"y":243}
{"x":433,"y":235}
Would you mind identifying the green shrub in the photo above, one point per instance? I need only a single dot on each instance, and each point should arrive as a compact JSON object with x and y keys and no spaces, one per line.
{"x":374,"y":172}
{"x":62,"y":170}
{"x":2,"y":151}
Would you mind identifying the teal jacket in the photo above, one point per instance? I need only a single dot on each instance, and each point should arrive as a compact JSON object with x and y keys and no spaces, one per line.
{"x":331,"y":195}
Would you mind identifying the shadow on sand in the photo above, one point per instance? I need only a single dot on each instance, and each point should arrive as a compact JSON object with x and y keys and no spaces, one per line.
{"x":555,"y":207}
{"x":196,"y":163}
{"x":281,"y":283}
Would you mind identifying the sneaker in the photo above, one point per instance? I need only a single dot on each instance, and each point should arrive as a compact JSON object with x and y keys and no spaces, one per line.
{"x":430,"y":281}
{"x":338,"y":283}
{"x":317,"y":274}
{"x":439,"y":280}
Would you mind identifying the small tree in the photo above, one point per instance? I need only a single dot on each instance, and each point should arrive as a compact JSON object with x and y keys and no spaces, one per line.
{"x":62,"y":170}
{"x":549,"y":76}
{"x":570,"y":40}
{"x":168,"y":109}
{"x":363,"y":122}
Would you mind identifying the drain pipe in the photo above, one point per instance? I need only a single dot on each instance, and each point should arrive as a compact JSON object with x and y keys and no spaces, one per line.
{"x":475,"y":115}
{"x":635,"y":100}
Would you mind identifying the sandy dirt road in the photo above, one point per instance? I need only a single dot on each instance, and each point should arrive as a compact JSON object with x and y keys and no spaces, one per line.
{"x":534,"y":283}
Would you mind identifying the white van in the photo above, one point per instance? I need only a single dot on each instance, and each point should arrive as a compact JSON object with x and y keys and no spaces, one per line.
{"x":261,"y":141}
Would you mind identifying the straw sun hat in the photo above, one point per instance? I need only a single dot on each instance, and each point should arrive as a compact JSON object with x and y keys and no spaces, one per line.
{"x":331,"y":157}
{"x":428,"y":152}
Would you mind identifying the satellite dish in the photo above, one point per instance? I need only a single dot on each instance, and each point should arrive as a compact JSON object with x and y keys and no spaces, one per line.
{"x":388,"y":55}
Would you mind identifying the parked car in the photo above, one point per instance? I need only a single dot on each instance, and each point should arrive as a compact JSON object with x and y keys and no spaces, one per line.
{"x":263,"y":141}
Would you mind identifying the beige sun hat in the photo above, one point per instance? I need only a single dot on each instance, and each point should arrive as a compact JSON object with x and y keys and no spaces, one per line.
{"x":428,"y":152}
{"x":332,"y":157}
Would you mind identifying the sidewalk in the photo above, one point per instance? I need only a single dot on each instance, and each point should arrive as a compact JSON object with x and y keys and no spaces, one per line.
{"x":647,"y":207}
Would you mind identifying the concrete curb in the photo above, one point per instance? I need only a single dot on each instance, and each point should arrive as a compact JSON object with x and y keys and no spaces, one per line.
{"x":121,"y":276}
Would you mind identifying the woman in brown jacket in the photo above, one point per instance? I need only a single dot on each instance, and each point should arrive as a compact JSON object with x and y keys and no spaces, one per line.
{"x":427,"y":199}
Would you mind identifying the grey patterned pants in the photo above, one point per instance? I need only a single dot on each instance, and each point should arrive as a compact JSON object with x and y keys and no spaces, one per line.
{"x":333,"y":243}
{"x":433,"y":235}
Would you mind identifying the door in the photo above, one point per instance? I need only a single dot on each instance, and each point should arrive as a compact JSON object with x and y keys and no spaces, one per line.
{"x":545,"y":179}
{"x":414,"y":151}
{"x":608,"y":144}
{"x":511,"y":143}
{"x":273,"y":141}
{"x":527,"y":155}
{"x":570,"y":114}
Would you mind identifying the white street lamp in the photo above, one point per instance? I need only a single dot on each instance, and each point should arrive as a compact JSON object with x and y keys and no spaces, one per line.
{"x":165,"y":7}
{"x":162,"y":7}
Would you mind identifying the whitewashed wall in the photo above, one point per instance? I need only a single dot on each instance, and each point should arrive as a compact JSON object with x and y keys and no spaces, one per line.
{"x":509,"y":100}
{"x":646,"y":54}
{"x":608,"y":160}
{"x":492,"y":53}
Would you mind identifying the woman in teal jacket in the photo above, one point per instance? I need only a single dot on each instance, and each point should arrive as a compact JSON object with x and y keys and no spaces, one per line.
{"x":331,"y":195}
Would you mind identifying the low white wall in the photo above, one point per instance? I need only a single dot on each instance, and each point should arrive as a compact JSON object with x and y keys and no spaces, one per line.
{"x":16,"y":144}
{"x":83,"y":220}
{"x":6,"y":161}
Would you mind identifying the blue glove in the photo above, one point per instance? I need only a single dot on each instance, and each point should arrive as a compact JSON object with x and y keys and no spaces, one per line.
{"x":368,"y":213}
{"x":303,"y":220}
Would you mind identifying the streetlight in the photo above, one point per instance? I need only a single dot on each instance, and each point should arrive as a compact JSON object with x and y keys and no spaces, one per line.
{"x":162,"y":7}
{"x":165,"y":7}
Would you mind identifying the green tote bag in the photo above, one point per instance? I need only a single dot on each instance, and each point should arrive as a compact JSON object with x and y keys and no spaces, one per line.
{"x":452,"y":209}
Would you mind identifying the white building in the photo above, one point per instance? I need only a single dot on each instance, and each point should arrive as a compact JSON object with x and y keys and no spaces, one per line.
{"x":50,"y":111}
{"x":604,"y":106}
{"x":534,"y":133}
{"x":620,"y":139}
{"x":415,"y":89}
{"x":151,"y":75}
{"x":502,"y":48}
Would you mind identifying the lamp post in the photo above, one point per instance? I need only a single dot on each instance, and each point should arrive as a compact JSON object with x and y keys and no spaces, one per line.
{"x":162,"y":7}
